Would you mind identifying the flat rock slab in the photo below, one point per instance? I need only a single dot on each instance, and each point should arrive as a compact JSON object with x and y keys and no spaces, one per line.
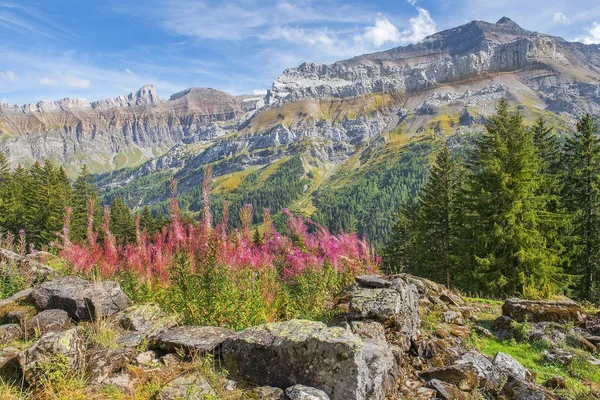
{"x":464,"y":376}
{"x":446,"y":391}
{"x":18,"y":297}
{"x":192,"y":339}
{"x":372,"y":281}
{"x":147,"y":319}
{"x":333,"y":359}
{"x":189,"y":387}
{"x":82,"y":299}
{"x":301,"y":392}
{"x":543,"y":311}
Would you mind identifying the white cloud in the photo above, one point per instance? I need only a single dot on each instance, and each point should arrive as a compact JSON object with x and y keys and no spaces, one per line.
{"x":8,"y":76}
{"x":411,"y":2}
{"x":303,"y":36}
{"x":73,"y":81}
{"x":592,"y":36}
{"x":560,"y":18}
{"x":260,"y":92}
{"x":384,"y":32}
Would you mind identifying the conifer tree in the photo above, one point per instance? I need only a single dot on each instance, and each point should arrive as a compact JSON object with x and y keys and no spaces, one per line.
{"x":83,"y":190}
{"x":400,"y":251}
{"x":509,"y":255}
{"x":5,"y":192}
{"x":147,"y":222}
{"x":434,"y":227}
{"x":582,"y":197}
{"x":122,"y":223}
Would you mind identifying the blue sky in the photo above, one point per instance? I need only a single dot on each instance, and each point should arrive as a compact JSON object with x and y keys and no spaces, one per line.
{"x":82,"y":49}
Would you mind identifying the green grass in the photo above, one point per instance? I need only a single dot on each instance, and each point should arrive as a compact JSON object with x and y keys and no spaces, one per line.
{"x":532,"y":358}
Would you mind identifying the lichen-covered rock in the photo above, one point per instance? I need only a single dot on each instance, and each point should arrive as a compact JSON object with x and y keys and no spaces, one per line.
{"x":82,"y":299}
{"x":522,"y":390}
{"x":265,"y":393}
{"x":511,"y":367}
{"x":464,"y":376}
{"x":10,"y":333}
{"x":447,"y":391}
{"x":491,"y":377}
{"x":9,"y":364}
{"x":372,"y":281}
{"x":192,"y":339}
{"x":121,"y":381}
{"x":453,"y":317}
{"x":396,"y":306}
{"x":543,"y":311}
{"x":302,"y":392}
{"x":368,"y":330}
{"x":147,"y":319}
{"x":16,"y":298}
{"x":48,"y":321}
{"x":102,"y":363}
{"x":333,"y":359}
{"x":66,"y":346}
{"x":189,"y":387}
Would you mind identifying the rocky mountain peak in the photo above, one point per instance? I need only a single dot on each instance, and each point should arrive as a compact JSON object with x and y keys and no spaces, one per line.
{"x":146,"y":95}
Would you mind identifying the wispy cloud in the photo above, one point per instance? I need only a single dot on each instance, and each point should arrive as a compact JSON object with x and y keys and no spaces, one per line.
{"x":560,"y":18}
{"x":24,"y":19}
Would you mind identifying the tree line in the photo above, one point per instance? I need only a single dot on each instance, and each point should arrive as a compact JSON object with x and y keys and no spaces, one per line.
{"x":519,"y":215}
{"x":33,"y":203}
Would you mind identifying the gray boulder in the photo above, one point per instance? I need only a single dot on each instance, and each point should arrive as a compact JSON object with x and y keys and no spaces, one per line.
{"x":10,"y":333}
{"x":511,"y":367}
{"x":69,"y":345}
{"x":543,"y":310}
{"x":102,"y":363}
{"x":189,"y":387}
{"x":192,"y":339}
{"x":464,"y":376}
{"x":447,"y":391}
{"x":266,"y":393}
{"x":16,"y":298}
{"x":331,"y":358}
{"x":48,"y":321}
{"x":301,"y":392}
{"x":147,"y":319}
{"x":491,"y":377}
{"x":82,"y":299}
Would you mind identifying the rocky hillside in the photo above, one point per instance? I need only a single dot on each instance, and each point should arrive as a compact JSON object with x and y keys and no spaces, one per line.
{"x":350,"y":122}
{"x":397,"y":337}
{"x":114,"y":133}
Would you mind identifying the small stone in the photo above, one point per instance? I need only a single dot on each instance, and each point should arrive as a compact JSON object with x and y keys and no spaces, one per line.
{"x":266,"y":393}
{"x":146,"y":358}
{"x":10,"y":333}
{"x":301,"y":392}
{"x":170,"y":360}
{"x":453,"y":317}
{"x":102,"y":363}
{"x":230,"y":385}
{"x":446,"y":391}
{"x":559,"y":355}
{"x":556,"y":382}
{"x":121,"y":381}
{"x":189,"y":387}
{"x":464,"y":376}
{"x":483,"y":332}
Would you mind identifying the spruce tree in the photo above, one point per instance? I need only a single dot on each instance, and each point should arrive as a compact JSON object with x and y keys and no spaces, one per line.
{"x":147,"y":222}
{"x":582,"y":197}
{"x":122,"y":223}
{"x":434,"y":227}
{"x":400,"y":251}
{"x":83,"y":191}
{"x":5,"y":192}
{"x":510,"y":255}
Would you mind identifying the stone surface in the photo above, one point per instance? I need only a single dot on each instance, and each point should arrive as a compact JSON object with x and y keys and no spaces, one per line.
{"x":10,"y":333}
{"x":491,"y":377}
{"x":48,"y":321}
{"x":146,"y":358}
{"x":102,"y":363}
{"x":147,"y":319}
{"x":446,"y":391}
{"x":543,"y":311}
{"x":83,"y":300}
{"x":464,"y":376}
{"x":9,"y":363}
{"x":341,"y":364}
{"x":372,"y":281}
{"x":121,"y":381}
{"x":511,"y":367}
{"x":16,"y":298}
{"x":302,"y":392}
{"x":521,"y":390}
{"x":69,"y":345}
{"x":192,"y":339}
{"x":266,"y":393}
{"x":192,"y":386}
{"x":368,"y":330}
{"x":453,"y":317}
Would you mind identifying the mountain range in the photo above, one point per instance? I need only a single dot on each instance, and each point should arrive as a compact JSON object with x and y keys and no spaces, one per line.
{"x":343,"y":143}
